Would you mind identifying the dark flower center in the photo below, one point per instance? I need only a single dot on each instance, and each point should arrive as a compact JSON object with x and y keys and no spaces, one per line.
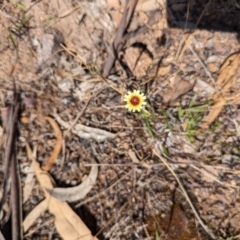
{"x":135,"y":101}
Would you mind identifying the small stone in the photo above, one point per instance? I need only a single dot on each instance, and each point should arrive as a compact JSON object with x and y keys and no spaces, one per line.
{"x":67,"y":181}
{"x":25,"y":120}
{"x":67,"y":100}
{"x":212,"y":67}
{"x":210,"y":43}
{"x":122,"y":134}
{"x":126,"y":146}
{"x":73,"y":182}
{"x":65,"y":84}
{"x":34,"y":200}
{"x":212,"y":59}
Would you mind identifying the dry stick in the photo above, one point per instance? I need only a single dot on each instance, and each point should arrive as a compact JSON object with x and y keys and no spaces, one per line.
{"x":10,"y":158}
{"x":8,"y":153}
{"x":70,"y":128}
{"x":15,"y":184}
{"x":185,"y":194}
{"x":117,"y":43}
{"x":78,"y":116}
{"x":205,"y":172}
{"x":202,"y":64}
{"x":16,"y":201}
{"x":181,"y":46}
{"x":47,"y":223}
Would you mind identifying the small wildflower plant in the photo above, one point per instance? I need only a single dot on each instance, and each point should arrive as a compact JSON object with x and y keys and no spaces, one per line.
{"x":136,"y":102}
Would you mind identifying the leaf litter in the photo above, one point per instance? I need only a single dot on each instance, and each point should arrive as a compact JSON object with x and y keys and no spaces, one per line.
{"x":224,"y":83}
{"x":127,"y":190}
{"x":68,"y":224}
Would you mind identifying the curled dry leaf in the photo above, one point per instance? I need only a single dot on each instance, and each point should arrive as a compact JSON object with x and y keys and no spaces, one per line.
{"x":134,"y":158}
{"x":224,"y":83}
{"x":86,"y":132}
{"x":34,"y":215}
{"x":73,"y":194}
{"x":57,"y":149}
{"x":67,"y":222}
{"x":178,"y":87}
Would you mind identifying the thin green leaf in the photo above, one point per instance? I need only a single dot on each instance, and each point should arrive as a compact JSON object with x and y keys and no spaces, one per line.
{"x":26,"y":19}
{"x":193,"y":100}
{"x":21,"y":6}
{"x":180,"y":112}
{"x":157,"y":237}
{"x":12,"y":38}
{"x":149,"y":129}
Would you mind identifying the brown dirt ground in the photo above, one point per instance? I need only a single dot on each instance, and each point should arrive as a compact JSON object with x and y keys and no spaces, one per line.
{"x":53,"y":51}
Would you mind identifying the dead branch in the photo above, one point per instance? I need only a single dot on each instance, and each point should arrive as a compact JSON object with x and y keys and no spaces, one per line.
{"x":118,"y":40}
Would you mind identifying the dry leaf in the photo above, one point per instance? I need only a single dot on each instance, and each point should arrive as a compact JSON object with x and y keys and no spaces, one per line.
{"x":149,"y":5}
{"x":85,"y":131}
{"x":134,"y":158}
{"x":74,"y":194}
{"x":163,"y":71}
{"x":25,"y":120}
{"x":115,"y":13}
{"x":34,"y":215}
{"x":224,"y":83}
{"x":67,"y":222}
{"x":179,"y":86}
{"x":57,"y":149}
{"x":210,"y":174}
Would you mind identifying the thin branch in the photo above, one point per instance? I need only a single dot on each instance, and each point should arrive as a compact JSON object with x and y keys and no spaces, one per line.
{"x":117,"y":43}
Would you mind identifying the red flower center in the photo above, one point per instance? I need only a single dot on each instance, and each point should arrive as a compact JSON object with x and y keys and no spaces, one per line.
{"x":135,"y":101}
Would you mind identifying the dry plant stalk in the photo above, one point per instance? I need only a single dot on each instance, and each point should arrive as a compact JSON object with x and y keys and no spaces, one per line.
{"x":117,"y":42}
{"x":11,"y":169}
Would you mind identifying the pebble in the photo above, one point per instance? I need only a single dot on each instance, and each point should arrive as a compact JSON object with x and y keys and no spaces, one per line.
{"x":126,"y":146}
{"x":210,"y":43}
{"x":67,"y":100}
{"x":212,"y":58}
{"x":34,"y":200}
{"x":212,"y":67}
{"x":65,"y":84}
{"x":73,"y":182}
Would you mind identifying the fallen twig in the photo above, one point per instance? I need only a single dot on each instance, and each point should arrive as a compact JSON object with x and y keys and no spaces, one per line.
{"x":118,"y":40}
{"x":85,"y":131}
{"x":10,"y":160}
